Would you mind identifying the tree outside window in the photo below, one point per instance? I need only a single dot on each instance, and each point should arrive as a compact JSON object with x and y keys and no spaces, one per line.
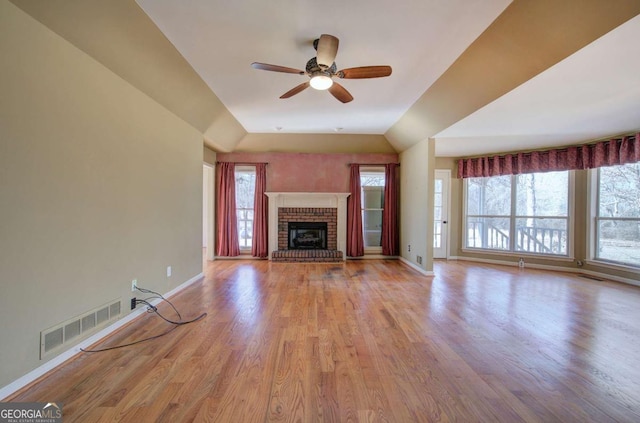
{"x":618,"y":214}
{"x":520,"y":213}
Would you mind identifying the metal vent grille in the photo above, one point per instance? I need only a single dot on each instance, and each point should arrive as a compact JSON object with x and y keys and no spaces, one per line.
{"x":78,"y":327}
{"x":72,"y":330}
{"x":89,"y":322}
{"x":114,"y":309}
{"x":102,"y":315}
{"x":54,"y":338}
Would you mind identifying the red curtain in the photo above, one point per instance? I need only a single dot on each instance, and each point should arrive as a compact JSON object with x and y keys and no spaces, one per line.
{"x":606,"y":153}
{"x":260,"y":247}
{"x":355,"y":240}
{"x":226,"y":212}
{"x":390,"y":232}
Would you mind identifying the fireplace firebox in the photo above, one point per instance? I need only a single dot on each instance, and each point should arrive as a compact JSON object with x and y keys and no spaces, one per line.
{"x":307,"y":235}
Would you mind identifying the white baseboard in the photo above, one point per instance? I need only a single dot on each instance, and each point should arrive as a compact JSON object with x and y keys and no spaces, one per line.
{"x":577,"y":270}
{"x":74,"y":350}
{"x":608,"y":277}
{"x":416,"y":267}
{"x":372,"y":257}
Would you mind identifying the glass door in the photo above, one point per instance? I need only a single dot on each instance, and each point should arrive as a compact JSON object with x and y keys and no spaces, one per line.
{"x":441,"y":214}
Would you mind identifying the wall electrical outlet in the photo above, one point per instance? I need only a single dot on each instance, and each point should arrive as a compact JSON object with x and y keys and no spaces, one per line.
{"x":409,"y":248}
{"x":419,"y":259}
{"x":134,"y":285}
{"x":168,"y":271}
{"x":133,"y":303}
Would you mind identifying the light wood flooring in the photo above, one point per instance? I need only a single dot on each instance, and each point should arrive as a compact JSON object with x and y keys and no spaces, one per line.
{"x":369,"y":341}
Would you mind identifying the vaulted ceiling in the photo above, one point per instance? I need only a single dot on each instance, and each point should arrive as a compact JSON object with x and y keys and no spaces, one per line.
{"x":478,"y":76}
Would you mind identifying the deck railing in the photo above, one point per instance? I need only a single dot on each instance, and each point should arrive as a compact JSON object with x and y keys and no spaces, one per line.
{"x":532,"y":239}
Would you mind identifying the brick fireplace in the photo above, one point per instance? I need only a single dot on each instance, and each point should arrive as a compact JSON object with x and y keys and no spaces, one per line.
{"x":311,"y":215}
{"x":329,"y":208}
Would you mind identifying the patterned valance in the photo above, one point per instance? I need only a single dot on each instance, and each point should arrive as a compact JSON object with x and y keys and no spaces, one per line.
{"x":605,"y":153}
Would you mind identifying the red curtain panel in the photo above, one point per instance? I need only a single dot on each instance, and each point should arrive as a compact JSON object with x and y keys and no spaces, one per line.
{"x":260,"y":247}
{"x":226,"y":212}
{"x":355,"y":240}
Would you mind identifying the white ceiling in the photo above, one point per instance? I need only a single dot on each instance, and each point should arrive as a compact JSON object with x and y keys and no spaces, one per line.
{"x":592,"y":94}
{"x":419,"y":39}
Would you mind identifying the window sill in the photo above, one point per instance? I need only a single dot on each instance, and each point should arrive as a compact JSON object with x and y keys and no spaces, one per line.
{"x":518,"y":254}
{"x":611,"y":265}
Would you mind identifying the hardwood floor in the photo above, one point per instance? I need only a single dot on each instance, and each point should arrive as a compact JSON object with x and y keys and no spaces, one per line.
{"x":369,"y":341}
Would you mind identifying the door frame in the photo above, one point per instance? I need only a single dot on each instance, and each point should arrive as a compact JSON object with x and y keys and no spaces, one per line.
{"x":208,"y":198}
{"x":445,"y":175}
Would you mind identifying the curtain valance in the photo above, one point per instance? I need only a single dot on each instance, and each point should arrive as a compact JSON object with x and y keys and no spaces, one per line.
{"x":605,"y":153}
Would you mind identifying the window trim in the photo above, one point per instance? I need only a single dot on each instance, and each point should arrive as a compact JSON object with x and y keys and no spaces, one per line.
{"x":369,"y":250}
{"x":569,"y":256}
{"x":240,"y":169}
{"x":593,"y":199}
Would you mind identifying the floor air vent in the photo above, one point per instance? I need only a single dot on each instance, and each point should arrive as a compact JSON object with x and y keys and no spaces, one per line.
{"x":78,"y":327}
{"x":593,"y":278}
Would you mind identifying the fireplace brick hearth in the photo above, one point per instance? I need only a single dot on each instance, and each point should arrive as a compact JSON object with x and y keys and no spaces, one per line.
{"x":315,"y":256}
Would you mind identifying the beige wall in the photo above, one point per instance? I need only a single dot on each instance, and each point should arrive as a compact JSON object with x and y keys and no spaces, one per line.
{"x":99,"y":184}
{"x":416,"y":205}
{"x":314,"y":143}
{"x":120,"y":35}
{"x":308,"y":172}
{"x":209,"y":195}
{"x":579,"y":237}
{"x":209,"y":156}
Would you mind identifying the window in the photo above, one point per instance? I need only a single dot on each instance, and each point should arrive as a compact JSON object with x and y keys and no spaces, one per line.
{"x":617,"y":221}
{"x":245,"y":188}
{"x":372,"y":185}
{"x":437,"y":214}
{"x":519,"y":213}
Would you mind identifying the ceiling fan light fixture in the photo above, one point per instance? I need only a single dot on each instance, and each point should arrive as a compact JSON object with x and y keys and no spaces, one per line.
{"x":322,"y":68}
{"x":321,"y":81}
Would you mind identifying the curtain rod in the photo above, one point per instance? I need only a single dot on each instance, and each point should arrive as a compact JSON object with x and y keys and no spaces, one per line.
{"x":245,"y":163}
{"x":372,"y":164}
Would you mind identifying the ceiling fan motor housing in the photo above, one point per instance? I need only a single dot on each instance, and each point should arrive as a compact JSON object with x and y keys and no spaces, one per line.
{"x":313,"y":67}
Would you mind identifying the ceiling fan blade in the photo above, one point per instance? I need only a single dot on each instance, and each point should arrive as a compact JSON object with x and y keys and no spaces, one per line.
{"x":365,"y":72}
{"x":339,"y":92}
{"x":276,"y":68}
{"x":327,"y":50}
{"x":295,"y":90}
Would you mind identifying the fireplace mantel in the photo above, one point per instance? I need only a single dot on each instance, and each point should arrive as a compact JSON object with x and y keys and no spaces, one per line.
{"x":307,"y":199}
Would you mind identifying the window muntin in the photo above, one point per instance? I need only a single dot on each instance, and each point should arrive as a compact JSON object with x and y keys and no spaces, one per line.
{"x":372,"y":196}
{"x":519,"y":213}
{"x":617,"y":220}
{"x":245,"y":191}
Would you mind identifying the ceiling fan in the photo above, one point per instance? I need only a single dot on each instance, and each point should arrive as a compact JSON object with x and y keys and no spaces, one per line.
{"x":322,"y":68}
